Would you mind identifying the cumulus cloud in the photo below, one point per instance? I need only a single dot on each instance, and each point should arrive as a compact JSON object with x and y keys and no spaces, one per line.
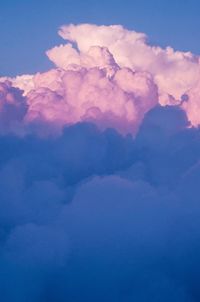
{"x":105,"y":213}
{"x":111,"y":76}
{"x":99,"y":173}
{"x":174,"y":71}
{"x":66,"y":97}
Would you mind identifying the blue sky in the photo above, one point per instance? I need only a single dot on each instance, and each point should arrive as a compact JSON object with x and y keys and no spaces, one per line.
{"x":29,"y":28}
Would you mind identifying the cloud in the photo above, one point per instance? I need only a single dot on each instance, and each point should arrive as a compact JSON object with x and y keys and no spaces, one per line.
{"x":105,"y":213}
{"x":67,"y":97}
{"x":13,"y":108}
{"x":174,"y":71}
{"x":99,"y":173}
{"x":111,"y":76}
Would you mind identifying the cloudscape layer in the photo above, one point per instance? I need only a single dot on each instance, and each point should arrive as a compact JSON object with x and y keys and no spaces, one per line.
{"x":99,"y":173}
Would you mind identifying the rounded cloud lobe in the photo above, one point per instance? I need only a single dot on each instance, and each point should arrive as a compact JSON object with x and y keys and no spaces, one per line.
{"x":99,"y":173}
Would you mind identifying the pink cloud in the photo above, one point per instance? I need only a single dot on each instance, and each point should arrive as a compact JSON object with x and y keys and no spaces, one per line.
{"x":111,"y":76}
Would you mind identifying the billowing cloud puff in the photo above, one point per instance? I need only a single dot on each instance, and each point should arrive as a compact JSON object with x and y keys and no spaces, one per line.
{"x":111,"y":76}
{"x":101,"y":212}
{"x":66,"y":97}
{"x":13,"y":108}
{"x":99,"y":173}
{"x":23,"y":82}
{"x":190,"y":103}
{"x":174,"y":71}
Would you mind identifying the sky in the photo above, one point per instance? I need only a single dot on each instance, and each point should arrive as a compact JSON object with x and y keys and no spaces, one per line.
{"x":99,"y":151}
{"x":29,"y":28}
